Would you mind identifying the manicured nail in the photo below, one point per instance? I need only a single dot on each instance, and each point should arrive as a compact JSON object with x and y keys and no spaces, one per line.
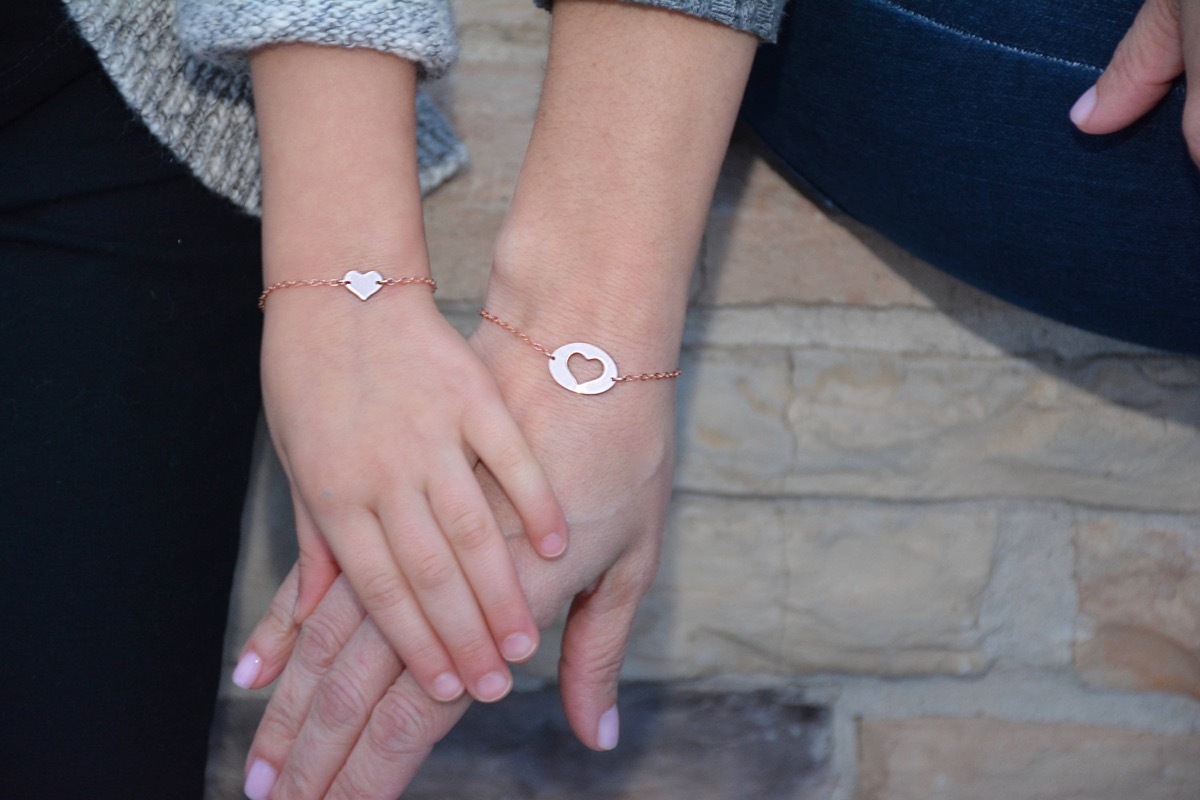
{"x":1084,"y":106}
{"x":492,"y":687}
{"x":554,"y":545}
{"x":246,"y":672}
{"x":517,"y":647}
{"x":259,"y":780}
{"x":447,"y":687}
{"x":609,"y":729}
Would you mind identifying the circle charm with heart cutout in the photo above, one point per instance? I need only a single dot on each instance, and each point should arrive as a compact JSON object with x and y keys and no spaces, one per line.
{"x":561,"y":371}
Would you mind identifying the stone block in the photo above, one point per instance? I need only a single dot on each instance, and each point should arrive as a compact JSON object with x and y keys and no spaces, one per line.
{"x":791,"y":588}
{"x":766,"y":243}
{"x":1105,"y":431}
{"x":988,"y":759}
{"x":1139,"y":603}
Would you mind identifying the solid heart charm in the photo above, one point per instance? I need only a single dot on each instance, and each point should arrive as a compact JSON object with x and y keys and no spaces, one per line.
{"x":563,"y":376}
{"x":363,"y":285}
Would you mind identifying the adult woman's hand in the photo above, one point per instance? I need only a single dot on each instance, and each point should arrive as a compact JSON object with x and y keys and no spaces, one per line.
{"x":347,"y":720}
{"x":1162,"y":43}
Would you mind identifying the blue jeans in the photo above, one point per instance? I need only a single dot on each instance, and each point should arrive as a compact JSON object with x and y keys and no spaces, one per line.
{"x":943,"y":125}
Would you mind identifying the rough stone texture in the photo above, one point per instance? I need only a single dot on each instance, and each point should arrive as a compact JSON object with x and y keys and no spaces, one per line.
{"x":1139,"y":602}
{"x":985,"y":759}
{"x":674,"y":744}
{"x":788,"y":588}
{"x":789,"y":422}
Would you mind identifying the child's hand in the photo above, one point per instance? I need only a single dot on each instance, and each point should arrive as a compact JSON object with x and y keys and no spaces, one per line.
{"x":379,"y":411}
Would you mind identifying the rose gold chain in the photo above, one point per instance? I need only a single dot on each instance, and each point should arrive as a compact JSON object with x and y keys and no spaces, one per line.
{"x":524,"y":337}
{"x":406,"y":281}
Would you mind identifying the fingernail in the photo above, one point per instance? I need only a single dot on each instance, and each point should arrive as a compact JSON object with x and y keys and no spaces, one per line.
{"x":609,"y":729}
{"x":246,"y":672}
{"x":517,"y":647}
{"x":492,"y":687}
{"x":1084,"y":106}
{"x":259,"y":780}
{"x":447,"y":687}
{"x":553,"y":545}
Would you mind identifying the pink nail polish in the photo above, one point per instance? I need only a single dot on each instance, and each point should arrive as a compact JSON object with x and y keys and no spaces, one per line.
{"x":1084,"y":106}
{"x":247,"y":670}
{"x":259,"y":780}
{"x":609,"y":729}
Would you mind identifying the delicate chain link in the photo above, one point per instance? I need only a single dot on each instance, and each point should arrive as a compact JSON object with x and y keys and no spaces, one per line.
{"x":483,"y":312}
{"x":524,"y":337}
{"x":406,"y":281}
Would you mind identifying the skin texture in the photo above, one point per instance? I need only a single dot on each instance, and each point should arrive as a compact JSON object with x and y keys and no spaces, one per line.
{"x":1162,"y":43}
{"x":597,"y":246}
{"x":379,"y":410}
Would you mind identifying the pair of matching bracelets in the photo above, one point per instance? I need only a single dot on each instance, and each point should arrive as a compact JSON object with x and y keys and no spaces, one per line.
{"x":365,"y":285}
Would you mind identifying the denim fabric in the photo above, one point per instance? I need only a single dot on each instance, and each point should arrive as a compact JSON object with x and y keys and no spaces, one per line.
{"x":944,"y":125}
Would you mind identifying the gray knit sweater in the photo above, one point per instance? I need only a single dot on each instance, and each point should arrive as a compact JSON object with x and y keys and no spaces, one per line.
{"x":182,"y":66}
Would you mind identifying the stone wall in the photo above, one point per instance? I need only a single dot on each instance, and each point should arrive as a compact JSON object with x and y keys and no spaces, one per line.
{"x":969,"y":532}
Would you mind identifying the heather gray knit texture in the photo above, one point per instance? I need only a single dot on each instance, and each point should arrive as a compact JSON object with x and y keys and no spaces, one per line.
{"x":759,"y":17}
{"x":196,"y":97}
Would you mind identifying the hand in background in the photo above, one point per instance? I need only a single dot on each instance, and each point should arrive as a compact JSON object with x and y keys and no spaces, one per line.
{"x":1162,"y":43}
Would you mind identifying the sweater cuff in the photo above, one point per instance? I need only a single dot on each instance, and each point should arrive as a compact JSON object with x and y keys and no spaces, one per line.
{"x":223,"y":32}
{"x":758,"y":17}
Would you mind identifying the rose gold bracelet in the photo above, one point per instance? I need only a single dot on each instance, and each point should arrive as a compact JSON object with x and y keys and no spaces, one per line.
{"x":561,"y":371}
{"x":361,"y":284}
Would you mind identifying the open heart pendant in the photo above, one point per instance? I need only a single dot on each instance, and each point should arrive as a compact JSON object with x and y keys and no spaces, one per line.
{"x":561,"y":371}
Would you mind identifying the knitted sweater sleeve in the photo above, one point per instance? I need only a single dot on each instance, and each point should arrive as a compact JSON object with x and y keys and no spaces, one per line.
{"x":759,"y":17}
{"x":222,"y":32}
{"x":196,"y":98}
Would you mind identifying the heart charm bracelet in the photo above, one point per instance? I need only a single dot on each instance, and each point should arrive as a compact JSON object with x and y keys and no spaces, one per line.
{"x":560,"y":357}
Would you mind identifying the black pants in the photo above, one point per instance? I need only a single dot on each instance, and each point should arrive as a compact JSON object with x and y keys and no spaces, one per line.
{"x":128,"y":396}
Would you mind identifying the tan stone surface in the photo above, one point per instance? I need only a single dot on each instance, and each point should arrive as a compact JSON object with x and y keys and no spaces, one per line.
{"x":766,"y":243}
{"x":1139,"y":603}
{"x":987,"y":759}
{"x":1110,"y":432}
{"x":789,"y":588}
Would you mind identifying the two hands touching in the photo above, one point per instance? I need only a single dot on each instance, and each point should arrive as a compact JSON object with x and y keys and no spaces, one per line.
{"x":437,"y":481}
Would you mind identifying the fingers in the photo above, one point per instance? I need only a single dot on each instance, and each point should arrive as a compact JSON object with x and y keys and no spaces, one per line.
{"x":340,"y":708}
{"x":593,"y":649}
{"x":270,"y":645}
{"x":1141,"y":72}
{"x":317,"y":566}
{"x":322,"y":637}
{"x":403,"y":728}
{"x":501,"y":446}
{"x":1190,"y":23}
{"x":384,"y":590}
{"x":463,"y":513}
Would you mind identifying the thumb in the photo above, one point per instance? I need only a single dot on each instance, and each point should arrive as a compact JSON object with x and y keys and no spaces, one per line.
{"x":1143,"y":68}
{"x":317,"y":567}
{"x":593,"y":649}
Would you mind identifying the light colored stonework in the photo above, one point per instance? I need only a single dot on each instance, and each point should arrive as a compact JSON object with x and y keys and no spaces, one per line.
{"x":984,"y":759}
{"x":793,"y":588}
{"x":845,"y":423}
{"x":1139,"y":603}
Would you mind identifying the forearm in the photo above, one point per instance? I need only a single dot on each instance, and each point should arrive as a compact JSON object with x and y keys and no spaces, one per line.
{"x":340,"y":188}
{"x":612,"y":199}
